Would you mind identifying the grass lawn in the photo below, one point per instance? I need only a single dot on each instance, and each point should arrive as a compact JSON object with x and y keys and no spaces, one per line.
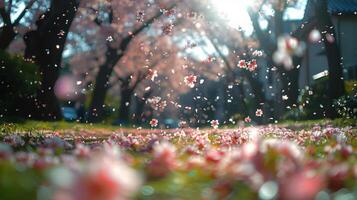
{"x":292,"y":160}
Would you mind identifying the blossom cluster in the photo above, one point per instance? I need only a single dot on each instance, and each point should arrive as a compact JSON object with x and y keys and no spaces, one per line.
{"x":251,"y":65}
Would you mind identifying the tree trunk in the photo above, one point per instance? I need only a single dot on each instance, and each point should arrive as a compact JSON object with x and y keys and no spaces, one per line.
{"x":7,"y":35}
{"x":96,"y":109}
{"x":140,"y":105}
{"x":125,"y":101}
{"x":45,"y":47}
{"x":336,"y":86}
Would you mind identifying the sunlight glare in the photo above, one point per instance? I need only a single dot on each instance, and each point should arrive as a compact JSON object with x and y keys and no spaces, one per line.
{"x":235,"y":11}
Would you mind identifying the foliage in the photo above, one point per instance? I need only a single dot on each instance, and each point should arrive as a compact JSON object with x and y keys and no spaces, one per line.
{"x":313,"y":102}
{"x":351,"y":86}
{"x":19,"y":82}
{"x":308,"y":124}
{"x":346,"y":106}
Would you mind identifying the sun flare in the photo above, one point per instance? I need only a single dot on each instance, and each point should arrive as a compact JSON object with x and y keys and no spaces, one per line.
{"x":235,"y":12}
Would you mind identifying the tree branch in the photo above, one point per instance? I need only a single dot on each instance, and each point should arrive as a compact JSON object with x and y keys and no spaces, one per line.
{"x":265,"y":41}
{"x":5,"y":15}
{"x":22,"y":14}
{"x":302,"y":32}
{"x":2,"y":3}
{"x":9,"y":6}
{"x":124,"y":44}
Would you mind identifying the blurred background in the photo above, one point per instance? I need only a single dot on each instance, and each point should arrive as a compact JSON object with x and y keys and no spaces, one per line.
{"x":185,"y":63}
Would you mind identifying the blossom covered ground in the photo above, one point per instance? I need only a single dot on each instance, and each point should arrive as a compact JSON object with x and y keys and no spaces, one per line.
{"x":262,"y":162}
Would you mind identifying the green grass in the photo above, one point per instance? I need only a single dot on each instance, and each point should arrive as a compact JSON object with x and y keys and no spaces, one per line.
{"x":30,"y":126}
{"x":321,"y":122}
{"x":307,"y":124}
{"x":39,"y":126}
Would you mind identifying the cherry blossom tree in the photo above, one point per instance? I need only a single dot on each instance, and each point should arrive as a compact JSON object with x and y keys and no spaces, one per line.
{"x":119,"y":29}
{"x":146,"y":64}
{"x":231,"y":47}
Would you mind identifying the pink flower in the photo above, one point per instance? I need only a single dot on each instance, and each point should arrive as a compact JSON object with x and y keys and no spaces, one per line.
{"x":154,"y":122}
{"x":169,"y":13}
{"x":195,"y":162}
{"x":167,"y":29}
{"x":14,"y":140}
{"x":242,"y":64}
{"x":44,"y":162}
{"x":302,"y":185}
{"x":213,"y":156}
{"x":152,"y":74}
{"x":5,"y":151}
{"x":66,"y":88}
{"x":247,"y":119}
{"x":287,"y":48}
{"x":157,"y":103}
{"x":259,"y":113}
{"x":25,"y":158}
{"x":53,"y":141}
{"x":190,"y":80}
{"x":164,"y":160}
{"x":257,"y":53}
{"x":252,"y":65}
{"x":314,"y":36}
{"x":337,"y":174}
{"x":182,"y":124}
{"x":214,"y":124}
{"x":209,"y":60}
{"x":104,"y":176}
{"x":330,"y":38}
{"x":81,"y":150}
{"x":140,"y":16}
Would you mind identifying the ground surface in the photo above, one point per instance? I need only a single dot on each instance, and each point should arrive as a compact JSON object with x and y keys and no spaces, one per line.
{"x":293,"y":160}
